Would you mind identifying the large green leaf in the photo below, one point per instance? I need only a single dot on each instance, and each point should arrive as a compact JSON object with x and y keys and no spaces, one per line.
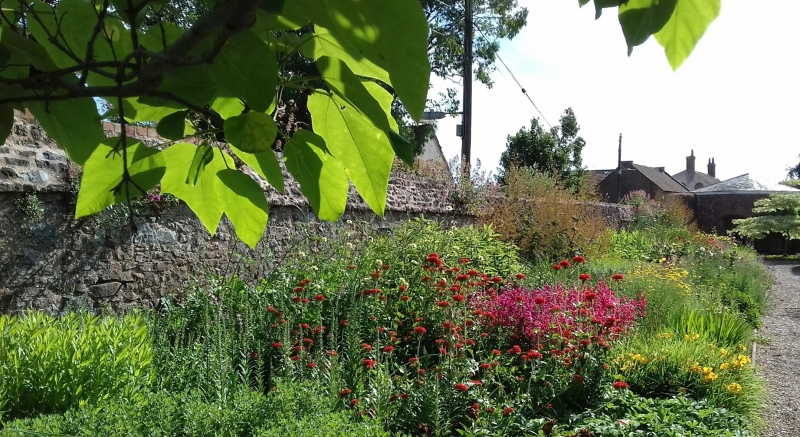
{"x":244,"y":204}
{"x":144,"y":109}
{"x":202,"y":197}
{"x":265,"y":164}
{"x":323,"y":43}
{"x":26,"y":49}
{"x":174,"y":126}
{"x":402,"y":148}
{"x":599,"y":5}
{"x":227,"y":107}
{"x":247,"y":68}
{"x":322,"y":177}
{"x":684,"y":29}
{"x":252,"y":132}
{"x":102,"y":185}
{"x":349,"y":88}
{"x":72,"y":124}
{"x":641,"y":18}
{"x":364,"y":149}
{"x":193,"y":83}
{"x":391,"y":34}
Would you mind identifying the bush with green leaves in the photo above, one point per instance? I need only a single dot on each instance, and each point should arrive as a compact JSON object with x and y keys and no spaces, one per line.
{"x":52,"y":364}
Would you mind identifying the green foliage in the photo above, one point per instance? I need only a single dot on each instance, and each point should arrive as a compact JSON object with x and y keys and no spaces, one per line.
{"x":779,"y":213}
{"x":49,"y":365}
{"x":555,"y":152}
{"x":722,"y":329}
{"x":294,"y":409}
{"x":31,"y":207}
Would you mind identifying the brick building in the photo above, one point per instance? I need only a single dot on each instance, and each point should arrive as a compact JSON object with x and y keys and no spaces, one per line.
{"x":634,"y":177}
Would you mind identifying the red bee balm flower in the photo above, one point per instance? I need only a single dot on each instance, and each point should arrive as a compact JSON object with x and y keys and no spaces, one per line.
{"x":277,"y":345}
{"x":520,"y":276}
{"x":579,"y":259}
{"x":366,"y":347}
{"x":420,"y":330}
{"x":584,"y":277}
{"x":564,"y":263}
{"x":497,"y":279}
{"x":404,"y":298}
{"x":345,"y":392}
{"x":507,"y":411}
{"x":620,"y":385}
{"x":461,"y":387}
{"x":443,"y":303}
{"x":458,"y":297}
{"x":618,"y":277}
{"x":311,"y":365}
{"x":353,"y":402}
{"x":319,"y":298}
{"x":369,"y":364}
{"x":388,"y":349}
{"x":556,"y":266}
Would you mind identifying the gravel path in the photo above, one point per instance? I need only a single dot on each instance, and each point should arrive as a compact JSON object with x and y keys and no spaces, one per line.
{"x":778,"y":360}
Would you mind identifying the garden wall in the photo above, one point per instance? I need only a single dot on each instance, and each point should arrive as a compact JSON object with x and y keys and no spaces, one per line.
{"x":50,"y":261}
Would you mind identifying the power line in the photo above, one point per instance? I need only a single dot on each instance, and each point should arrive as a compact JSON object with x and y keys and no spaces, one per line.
{"x":515,"y":79}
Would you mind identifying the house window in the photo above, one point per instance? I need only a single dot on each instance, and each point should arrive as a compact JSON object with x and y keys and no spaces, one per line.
{"x":698,"y":185}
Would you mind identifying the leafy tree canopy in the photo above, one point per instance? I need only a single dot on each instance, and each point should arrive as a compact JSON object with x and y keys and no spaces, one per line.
{"x":779,"y":214}
{"x":557,"y":151}
{"x":222,"y":70}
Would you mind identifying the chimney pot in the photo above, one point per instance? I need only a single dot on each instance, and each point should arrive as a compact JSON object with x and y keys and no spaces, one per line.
{"x":712,"y":168}
{"x":690,"y":162}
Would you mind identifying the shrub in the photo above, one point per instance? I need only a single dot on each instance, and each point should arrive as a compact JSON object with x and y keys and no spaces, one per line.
{"x":544,"y":219}
{"x":723,"y":329}
{"x":49,"y":365}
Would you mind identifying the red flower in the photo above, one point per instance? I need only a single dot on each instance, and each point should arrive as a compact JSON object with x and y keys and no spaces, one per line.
{"x":485,"y":366}
{"x":388,"y":349}
{"x":369,"y":364}
{"x":520,"y":276}
{"x":578,"y":378}
{"x":584,"y":277}
{"x":579,"y":259}
{"x":538,"y":300}
{"x":319,"y":298}
{"x":332,"y":353}
{"x":458,"y":297}
{"x":376,"y":274}
{"x":507,"y":411}
{"x":353,"y":402}
{"x":351,"y":266}
{"x":461,"y":387}
{"x":443,"y":303}
{"x":298,"y":289}
{"x":311,"y":365}
{"x":618,"y":277}
{"x":515,"y":350}
{"x":420,"y":330}
{"x":589,"y":296}
{"x":296,"y":299}
{"x":385,"y":267}
{"x":343,"y":322}
{"x":393,"y":398}
{"x":295,"y":358}
{"x":366,"y":347}
{"x":281,"y":321}
{"x":404,"y":298}
{"x":404,"y":396}
{"x":586,"y":342}
{"x":620,"y":385}
{"x":271,"y":310}
{"x":413,"y":360}
{"x":403,"y":287}
{"x":556,"y":266}
{"x":253,"y":355}
{"x":497,"y":279}
{"x":277,"y":345}
{"x":532,"y":354}
{"x":345,"y":392}
{"x":426,"y":278}
{"x":496,"y":352}
{"x":564,"y":263}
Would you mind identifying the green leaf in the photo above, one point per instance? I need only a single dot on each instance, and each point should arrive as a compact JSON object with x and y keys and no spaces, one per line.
{"x":26,"y":49}
{"x":72,"y":124}
{"x":247,"y":68}
{"x":364,"y":149}
{"x":173,"y":126}
{"x":265,"y":164}
{"x":323,"y":43}
{"x":389,"y":34}
{"x":244,"y":204}
{"x":252,"y":132}
{"x":227,"y":107}
{"x":599,"y":5}
{"x":202,"y":197}
{"x":402,"y":148}
{"x":144,"y":109}
{"x":102,"y":184}
{"x":194,"y":84}
{"x":685,"y":28}
{"x":322,"y":177}
{"x":203,"y":155}
{"x":641,"y":18}
{"x":6,"y":121}
{"x":157,"y":38}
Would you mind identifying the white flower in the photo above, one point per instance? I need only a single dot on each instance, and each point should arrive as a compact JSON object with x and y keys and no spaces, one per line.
{"x":378,"y":262}
{"x":448,"y":208}
{"x":413,"y":245}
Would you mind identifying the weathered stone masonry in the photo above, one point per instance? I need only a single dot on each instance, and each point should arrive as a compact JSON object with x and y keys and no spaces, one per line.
{"x":53,"y":261}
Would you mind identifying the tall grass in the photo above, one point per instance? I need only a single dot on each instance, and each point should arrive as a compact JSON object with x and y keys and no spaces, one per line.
{"x":49,"y":364}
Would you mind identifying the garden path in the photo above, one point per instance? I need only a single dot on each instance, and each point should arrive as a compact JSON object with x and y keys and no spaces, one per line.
{"x":779,"y":360}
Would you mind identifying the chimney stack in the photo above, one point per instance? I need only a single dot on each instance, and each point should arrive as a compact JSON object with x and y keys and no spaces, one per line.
{"x":712,"y":168}
{"x":690,"y":162}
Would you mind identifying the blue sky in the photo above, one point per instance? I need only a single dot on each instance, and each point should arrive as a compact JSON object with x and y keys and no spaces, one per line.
{"x":737,"y":98}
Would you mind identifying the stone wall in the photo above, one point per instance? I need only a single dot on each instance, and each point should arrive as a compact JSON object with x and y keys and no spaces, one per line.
{"x":49,"y":261}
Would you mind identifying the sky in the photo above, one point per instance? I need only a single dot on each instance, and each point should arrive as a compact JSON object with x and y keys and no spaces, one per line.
{"x":736,"y":99}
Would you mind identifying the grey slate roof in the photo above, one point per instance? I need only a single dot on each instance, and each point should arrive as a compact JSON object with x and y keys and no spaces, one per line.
{"x":742,"y":183}
{"x":663,"y":180}
{"x":690,"y":179}
{"x":594,"y":177}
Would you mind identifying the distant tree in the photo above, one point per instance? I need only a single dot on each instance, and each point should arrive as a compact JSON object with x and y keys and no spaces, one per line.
{"x":557,"y":151}
{"x":779,"y":214}
{"x":794,"y":172}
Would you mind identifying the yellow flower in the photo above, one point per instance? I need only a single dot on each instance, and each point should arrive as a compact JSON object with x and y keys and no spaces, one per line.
{"x":696,"y":368}
{"x":710,"y":377}
{"x":682,"y":390}
{"x":665,"y":336}
{"x":695,"y":336}
{"x":742,"y":348}
{"x":686,"y":337}
{"x":744,"y":359}
{"x":733,"y":388}
{"x":707,"y":370}
{"x":724,"y":366}
{"x":723,"y":352}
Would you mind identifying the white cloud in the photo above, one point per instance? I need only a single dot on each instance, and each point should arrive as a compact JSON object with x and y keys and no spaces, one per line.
{"x":737,"y":98}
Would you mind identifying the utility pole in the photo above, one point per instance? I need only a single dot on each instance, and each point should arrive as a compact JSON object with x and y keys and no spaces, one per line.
{"x":619,"y":170}
{"x":466,"y":133}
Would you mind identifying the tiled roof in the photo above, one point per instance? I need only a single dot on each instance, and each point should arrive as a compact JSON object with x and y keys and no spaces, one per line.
{"x":594,"y":177}
{"x":742,"y":183}
{"x":663,"y":180}
{"x":690,"y":179}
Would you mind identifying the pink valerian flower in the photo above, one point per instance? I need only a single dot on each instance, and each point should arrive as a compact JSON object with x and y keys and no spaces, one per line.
{"x":553,"y":309}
